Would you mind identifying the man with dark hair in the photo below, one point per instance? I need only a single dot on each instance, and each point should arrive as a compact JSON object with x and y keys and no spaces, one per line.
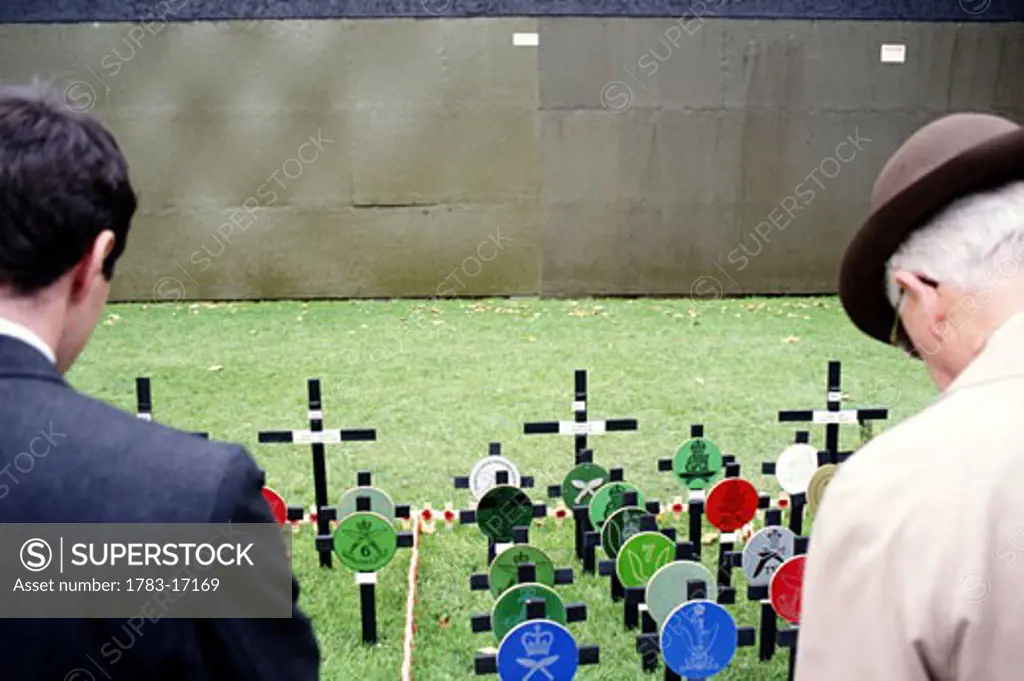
{"x":66,"y":204}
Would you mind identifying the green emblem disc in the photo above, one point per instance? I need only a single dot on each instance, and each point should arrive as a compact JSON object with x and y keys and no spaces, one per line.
{"x":365,"y":541}
{"x":667,"y":589}
{"x":641,"y":556}
{"x":502,"y":508}
{"x":380,"y":502}
{"x":697,"y":463}
{"x":609,"y":499}
{"x":510,"y":608}
{"x":581,"y":483}
{"x":504,"y":572}
{"x":620,"y":526}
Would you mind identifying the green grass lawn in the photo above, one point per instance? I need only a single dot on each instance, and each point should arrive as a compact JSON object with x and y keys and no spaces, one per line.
{"x":441,"y":379}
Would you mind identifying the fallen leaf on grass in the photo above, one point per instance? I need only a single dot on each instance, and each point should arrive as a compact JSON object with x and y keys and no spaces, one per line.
{"x":790,"y":339}
{"x":700,"y":380}
{"x":531,"y":339}
{"x":443,"y":622}
{"x":215,"y":367}
{"x":709,"y":538}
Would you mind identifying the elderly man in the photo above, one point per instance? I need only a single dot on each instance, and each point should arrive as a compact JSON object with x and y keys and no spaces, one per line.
{"x":912,"y":573}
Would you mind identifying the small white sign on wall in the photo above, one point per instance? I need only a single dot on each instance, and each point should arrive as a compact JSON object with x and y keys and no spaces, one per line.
{"x":525,"y":39}
{"x":894,"y":54}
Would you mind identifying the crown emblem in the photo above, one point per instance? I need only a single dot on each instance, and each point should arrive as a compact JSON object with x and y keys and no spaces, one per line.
{"x":537,"y":642}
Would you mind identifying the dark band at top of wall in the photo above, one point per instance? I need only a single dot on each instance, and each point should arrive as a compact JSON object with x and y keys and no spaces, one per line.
{"x":48,"y":11}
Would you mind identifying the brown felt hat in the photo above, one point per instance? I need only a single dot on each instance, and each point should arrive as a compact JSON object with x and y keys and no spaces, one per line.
{"x":947,"y":159}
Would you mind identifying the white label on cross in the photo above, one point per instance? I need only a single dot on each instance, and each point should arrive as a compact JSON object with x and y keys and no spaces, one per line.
{"x":366,"y":578}
{"x":145,"y":417}
{"x":579,"y":405}
{"x":306,"y":437}
{"x":697,"y":495}
{"x":835,"y":397}
{"x":727,"y":538}
{"x":316,"y":414}
{"x":587,"y":428}
{"x":844,"y":416}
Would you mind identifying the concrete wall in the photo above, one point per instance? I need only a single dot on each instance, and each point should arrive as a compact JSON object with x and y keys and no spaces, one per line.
{"x":401,"y":157}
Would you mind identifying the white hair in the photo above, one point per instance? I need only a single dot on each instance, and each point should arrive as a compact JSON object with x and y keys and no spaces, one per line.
{"x":978,"y":236}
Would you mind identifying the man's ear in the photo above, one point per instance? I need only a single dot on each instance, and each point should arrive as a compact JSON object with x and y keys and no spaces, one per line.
{"x":90,"y":266}
{"x":925,"y":295}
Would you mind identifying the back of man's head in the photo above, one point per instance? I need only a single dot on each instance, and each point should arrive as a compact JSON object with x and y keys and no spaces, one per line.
{"x":66,"y":205}
{"x":63,"y":181}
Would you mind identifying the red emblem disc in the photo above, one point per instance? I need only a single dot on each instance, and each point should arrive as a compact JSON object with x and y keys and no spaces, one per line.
{"x":785,"y":587}
{"x":731,"y":504}
{"x":278,"y":508}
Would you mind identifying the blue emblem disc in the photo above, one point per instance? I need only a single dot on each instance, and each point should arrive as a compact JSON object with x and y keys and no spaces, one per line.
{"x":538,"y":650}
{"x":698,"y":639}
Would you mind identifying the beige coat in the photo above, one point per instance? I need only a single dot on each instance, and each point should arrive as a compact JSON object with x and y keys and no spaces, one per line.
{"x":915,"y":570}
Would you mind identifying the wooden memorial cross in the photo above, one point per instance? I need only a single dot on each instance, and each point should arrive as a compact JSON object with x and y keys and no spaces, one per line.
{"x":537,"y":644}
{"x":144,"y":403}
{"x":474,"y":481}
{"x":606,"y":568}
{"x":526,"y":570}
{"x":696,"y":497}
{"x":798,"y":500}
{"x":507,"y":521}
{"x":367,"y":581}
{"x":783,"y":601}
{"x":580,"y":427}
{"x":833,"y":415}
{"x":648,"y":643}
{"x":584,"y":491}
{"x":317,"y":437}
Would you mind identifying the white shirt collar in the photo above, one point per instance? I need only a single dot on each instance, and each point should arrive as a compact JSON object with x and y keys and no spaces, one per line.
{"x":26,"y":335}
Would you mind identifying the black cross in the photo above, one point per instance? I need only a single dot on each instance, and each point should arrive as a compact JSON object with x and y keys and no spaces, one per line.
{"x":833,"y":416}
{"x":648,"y":644}
{"x":526,"y":573}
{"x":536,"y":609}
{"x":368,"y":582}
{"x":144,"y":403}
{"x":493,"y":449}
{"x":520,"y":535}
{"x":317,"y":437}
{"x":580,"y":427}
{"x":798,"y":501}
{"x":771,"y":635}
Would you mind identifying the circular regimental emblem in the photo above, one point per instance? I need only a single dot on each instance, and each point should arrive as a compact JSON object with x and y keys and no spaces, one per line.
{"x":501,"y":509}
{"x":278,"y":508}
{"x":731,"y":504}
{"x":765,"y":552}
{"x":380,"y":502}
{"x":641,"y":556}
{"x":610,"y":499}
{"x":510,"y":608}
{"x":697,"y":463}
{"x":581,"y":483}
{"x":819,"y":482}
{"x":485,"y":474}
{"x":620,"y":526}
{"x":784,"y":589}
{"x":668,"y":588}
{"x":504,"y":572}
{"x":698,"y":640}
{"x":538,"y":650}
{"x":795,"y":466}
{"x":365,"y":542}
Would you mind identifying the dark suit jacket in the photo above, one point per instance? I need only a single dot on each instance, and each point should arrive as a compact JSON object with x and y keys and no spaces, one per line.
{"x":88,"y":462}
